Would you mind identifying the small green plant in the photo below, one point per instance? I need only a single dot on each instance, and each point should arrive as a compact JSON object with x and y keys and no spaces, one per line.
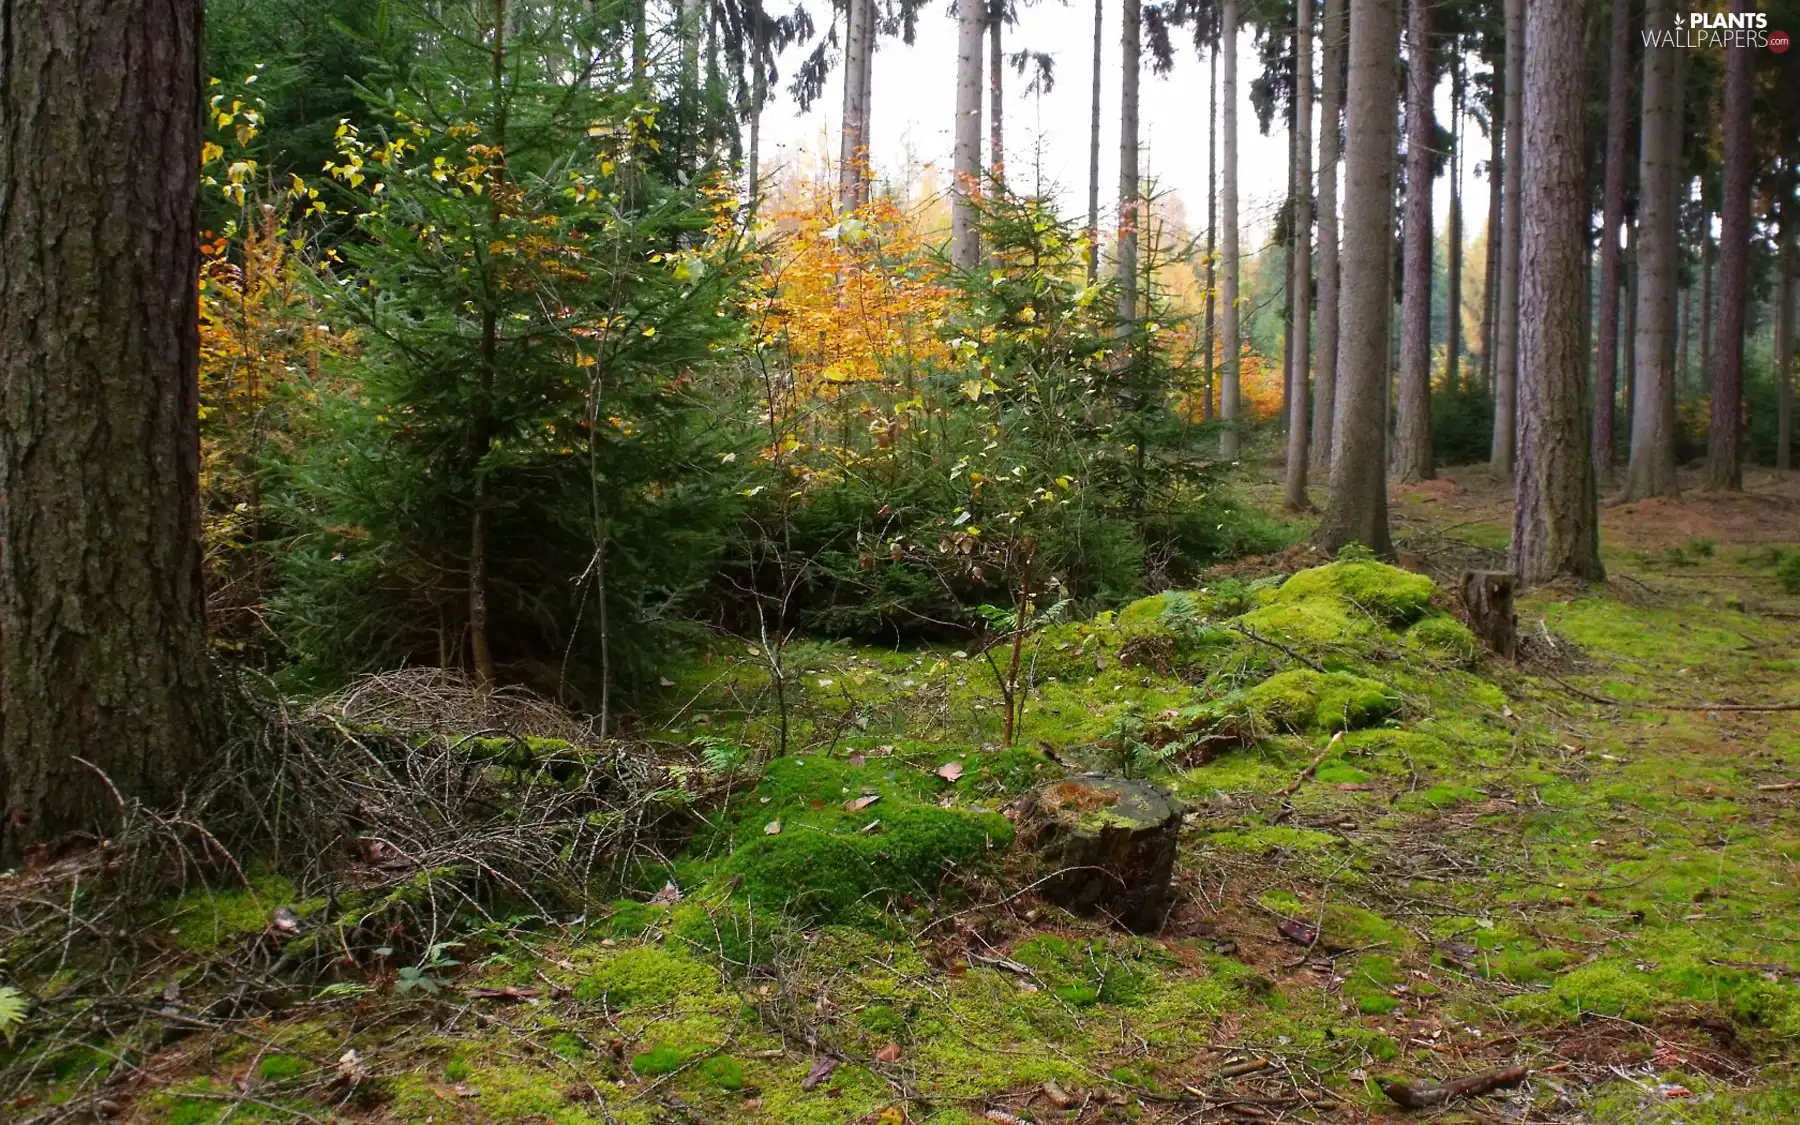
{"x":427,"y":976}
{"x":1139,"y":747}
{"x":13,"y":1008}
{"x":1355,"y":552}
{"x":1703,"y":548}
{"x":1787,"y":571}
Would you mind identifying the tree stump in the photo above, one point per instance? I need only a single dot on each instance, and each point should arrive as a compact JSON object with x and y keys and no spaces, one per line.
{"x":1109,"y":842}
{"x":1487,"y":595}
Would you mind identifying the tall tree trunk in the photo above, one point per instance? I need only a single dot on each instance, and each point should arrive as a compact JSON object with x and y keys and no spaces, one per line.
{"x":1684,"y":315}
{"x":1651,"y":471}
{"x":1331,"y":107}
{"x":640,"y":48}
{"x":1212,"y":229}
{"x":1412,"y":435}
{"x":1453,"y":372}
{"x":1706,"y":288}
{"x":1506,"y":311}
{"x":965,"y":251}
{"x":853,"y":150}
{"x":1300,"y":330}
{"x":759,"y":94}
{"x":1130,"y":209}
{"x":1784,"y":343}
{"x":1556,"y":518}
{"x":1356,"y":503}
{"x":1618,"y":115}
{"x":1724,"y":439}
{"x":1490,"y":292}
{"x":103,"y":654}
{"x":1628,"y":346}
{"x":1093,"y":223}
{"x":1229,"y":390}
{"x":996,"y":91}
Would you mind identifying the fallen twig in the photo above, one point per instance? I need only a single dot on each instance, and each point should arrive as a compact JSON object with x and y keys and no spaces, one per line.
{"x":1778,"y":787}
{"x":1279,"y":647}
{"x":1442,"y":1093}
{"x":1312,"y":767}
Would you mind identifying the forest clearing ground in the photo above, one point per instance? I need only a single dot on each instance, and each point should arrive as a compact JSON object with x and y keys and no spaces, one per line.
{"x":1505,"y":872}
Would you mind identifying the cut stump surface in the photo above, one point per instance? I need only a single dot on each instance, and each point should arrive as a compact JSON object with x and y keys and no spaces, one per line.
{"x":1107,"y":843}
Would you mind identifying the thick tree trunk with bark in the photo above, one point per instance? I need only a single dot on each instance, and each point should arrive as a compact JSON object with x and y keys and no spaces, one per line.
{"x":966,"y":157}
{"x":1724,"y":438}
{"x":1300,"y":328}
{"x":1331,"y":107}
{"x":1506,"y":310}
{"x":1651,"y":471}
{"x":853,"y":150}
{"x":1618,"y":115}
{"x":1356,"y":504}
{"x":1784,"y":344}
{"x":1628,"y":346}
{"x":1229,"y":405}
{"x":1412,"y":432}
{"x":1490,"y":293}
{"x":1093,"y":222}
{"x":1453,"y":372}
{"x":996,"y":91}
{"x":1130,"y":208}
{"x":1556,"y":517}
{"x":1212,"y":234}
{"x":103,"y":654}
{"x":1487,"y":597}
{"x":1706,"y":290}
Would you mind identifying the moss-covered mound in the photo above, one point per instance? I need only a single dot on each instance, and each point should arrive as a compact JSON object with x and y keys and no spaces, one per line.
{"x":1302,"y":699}
{"x":826,"y":839}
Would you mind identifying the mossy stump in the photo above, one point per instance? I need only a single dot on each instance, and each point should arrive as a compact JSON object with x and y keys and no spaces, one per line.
{"x":1107,"y":843}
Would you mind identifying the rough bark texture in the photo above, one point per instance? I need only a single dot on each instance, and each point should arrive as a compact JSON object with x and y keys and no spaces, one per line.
{"x":1652,"y":468}
{"x":1556,"y":516}
{"x":1300,"y":328}
{"x":1212,"y":234}
{"x":1130,"y":44}
{"x":1784,"y":346}
{"x":1093,"y":223}
{"x":1356,"y":503}
{"x":1706,"y":292}
{"x":103,"y":655}
{"x":1111,"y":843}
{"x":1724,"y":437}
{"x":1487,"y":597}
{"x":1412,"y":432}
{"x":1628,"y":346}
{"x":996,"y":92}
{"x":1506,"y":309}
{"x":1453,"y":370}
{"x":1228,"y":242}
{"x":1331,"y":108}
{"x":966,"y":158}
{"x":1490,"y":293}
{"x":1618,"y":113}
{"x":853,"y":149}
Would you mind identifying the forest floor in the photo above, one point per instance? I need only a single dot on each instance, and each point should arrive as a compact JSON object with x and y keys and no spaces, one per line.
{"x":1586,"y":864}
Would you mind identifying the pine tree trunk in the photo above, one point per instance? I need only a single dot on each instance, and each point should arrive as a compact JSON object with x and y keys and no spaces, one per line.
{"x":1784,"y":344}
{"x":1506,"y":311}
{"x":1628,"y":346}
{"x":1453,"y":371}
{"x":996,"y":94}
{"x":1356,"y":504}
{"x":1300,"y":329}
{"x":1556,"y":518}
{"x":853,"y":148}
{"x":1331,"y":106}
{"x":1724,"y":439}
{"x":1618,"y":114}
{"x":1490,"y":292}
{"x":1212,"y":228}
{"x":965,"y":251}
{"x":1706,"y":290}
{"x":1412,"y":434}
{"x":1129,"y":205}
{"x":1651,"y":471}
{"x":1093,"y":223}
{"x":1229,"y":391}
{"x":103,"y":654}
{"x":1684,"y":314}
{"x":759,"y":94}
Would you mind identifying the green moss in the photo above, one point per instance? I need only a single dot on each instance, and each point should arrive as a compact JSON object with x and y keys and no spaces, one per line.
{"x":1443,"y":636}
{"x":646,"y":974}
{"x":722,"y":1072}
{"x":1268,"y":839}
{"x":630,"y":918}
{"x":205,"y":918}
{"x":1304,"y":699}
{"x":664,"y":1058}
{"x":280,"y":1068}
{"x":458,"y":1069}
{"x":1394,"y":595}
{"x":1367,"y":984}
{"x":567,"y":1045}
{"x":731,"y":934}
{"x":882,"y":1021}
